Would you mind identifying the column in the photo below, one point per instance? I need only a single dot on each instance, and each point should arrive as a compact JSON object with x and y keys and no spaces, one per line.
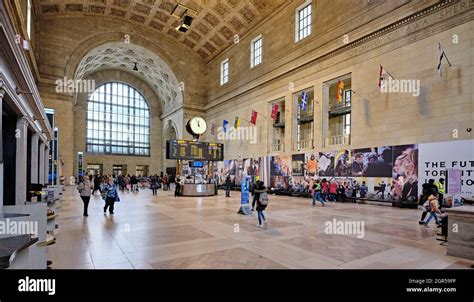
{"x":41,"y":162}
{"x":46,"y":164}
{"x":34,"y":158}
{"x":2,"y":93}
{"x":21,"y":149}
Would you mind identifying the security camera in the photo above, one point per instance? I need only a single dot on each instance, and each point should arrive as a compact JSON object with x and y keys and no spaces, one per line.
{"x":469,"y":129}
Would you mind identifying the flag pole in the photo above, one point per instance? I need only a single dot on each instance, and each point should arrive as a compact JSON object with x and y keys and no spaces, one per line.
{"x":445,"y":55}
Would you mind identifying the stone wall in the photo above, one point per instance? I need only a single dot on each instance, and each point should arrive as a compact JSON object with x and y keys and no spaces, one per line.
{"x":409,"y":50}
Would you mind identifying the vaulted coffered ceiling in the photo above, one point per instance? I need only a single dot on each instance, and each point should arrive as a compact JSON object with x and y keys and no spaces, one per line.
{"x":213,"y":29}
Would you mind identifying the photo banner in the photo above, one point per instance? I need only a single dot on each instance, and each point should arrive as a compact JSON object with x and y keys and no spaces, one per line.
{"x":437,"y":158}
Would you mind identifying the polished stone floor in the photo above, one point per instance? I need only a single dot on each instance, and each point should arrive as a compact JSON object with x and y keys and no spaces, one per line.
{"x":164,"y":232}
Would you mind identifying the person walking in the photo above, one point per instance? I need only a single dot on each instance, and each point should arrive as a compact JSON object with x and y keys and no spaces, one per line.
{"x":177,"y":187}
{"x":96,"y":184}
{"x":428,"y":189}
{"x":433,"y":209}
{"x":317,"y":193}
{"x":363,"y":190}
{"x":382,"y":187}
{"x":332,"y":191}
{"x":252,"y":190}
{"x":228,"y":186}
{"x":262,"y":203}
{"x":111,"y":196}
{"x":85,"y":188}
{"x":324,"y":189}
{"x":440,"y":185}
{"x":154,"y":185}
{"x":134,"y":182}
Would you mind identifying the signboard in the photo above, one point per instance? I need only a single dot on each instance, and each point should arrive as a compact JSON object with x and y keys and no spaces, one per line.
{"x":193,"y":150}
{"x":245,"y":196}
{"x":245,"y":191}
{"x":454,"y":181}
{"x":80,"y":159}
{"x":437,"y":158}
{"x":50,"y":196}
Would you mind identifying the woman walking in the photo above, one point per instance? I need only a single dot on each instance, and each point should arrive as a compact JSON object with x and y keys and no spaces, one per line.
{"x":111,"y":196}
{"x":317,"y":193}
{"x":85,"y":188}
{"x":262,"y":203}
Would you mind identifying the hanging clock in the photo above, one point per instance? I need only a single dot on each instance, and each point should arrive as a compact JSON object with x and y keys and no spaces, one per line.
{"x":196,"y":126}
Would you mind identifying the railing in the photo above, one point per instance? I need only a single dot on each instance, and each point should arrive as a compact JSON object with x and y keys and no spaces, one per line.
{"x":339,"y":107}
{"x":277,"y":147}
{"x":306,"y":115}
{"x":279,"y":121}
{"x":338,"y":140}
{"x":306,"y":144}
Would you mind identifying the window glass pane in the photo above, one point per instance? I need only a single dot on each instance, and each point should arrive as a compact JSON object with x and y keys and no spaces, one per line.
{"x":112,"y":123}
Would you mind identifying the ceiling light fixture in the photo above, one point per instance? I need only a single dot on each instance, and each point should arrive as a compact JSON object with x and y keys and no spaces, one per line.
{"x":185,"y":15}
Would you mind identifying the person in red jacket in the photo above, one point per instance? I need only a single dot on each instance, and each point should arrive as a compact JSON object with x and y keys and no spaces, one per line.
{"x":324,"y":189}
{"x":332,"y":191}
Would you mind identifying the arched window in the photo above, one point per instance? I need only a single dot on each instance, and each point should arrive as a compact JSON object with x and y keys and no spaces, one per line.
{"x":118,"y":121}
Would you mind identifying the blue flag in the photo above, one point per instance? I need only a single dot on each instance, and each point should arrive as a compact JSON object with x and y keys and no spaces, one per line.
{"x":304,"y":101}
{"x":225,"y":125}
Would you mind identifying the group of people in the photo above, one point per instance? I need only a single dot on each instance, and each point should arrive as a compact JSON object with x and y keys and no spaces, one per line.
{"x":105,"y":185}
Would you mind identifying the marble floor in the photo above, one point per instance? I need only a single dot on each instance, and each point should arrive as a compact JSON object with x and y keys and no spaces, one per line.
{"x":164,"y":232}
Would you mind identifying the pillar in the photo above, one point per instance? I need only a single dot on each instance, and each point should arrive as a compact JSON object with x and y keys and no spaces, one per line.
{"x":2,"y":93}
{"x":21,"y":161}
{"x":42,"y":147}
{"x":46,"y":164}
{"x":34,"y":158}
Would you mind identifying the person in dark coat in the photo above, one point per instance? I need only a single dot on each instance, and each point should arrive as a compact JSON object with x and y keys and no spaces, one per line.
{"x":428,"y":189}
{"x":228,"y":186}
{"x":96,"y":184}
{"x":260,"y":207}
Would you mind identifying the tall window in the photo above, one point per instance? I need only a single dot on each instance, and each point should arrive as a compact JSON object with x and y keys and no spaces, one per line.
{"x":118,"y":121}
{"x":256,"y":51}
{"x":303,"y":21}
{"x":225,"y":71}
{"x":28,"y":19}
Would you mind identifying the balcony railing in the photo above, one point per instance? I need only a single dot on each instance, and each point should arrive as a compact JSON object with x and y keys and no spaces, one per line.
{"x":279,"y":121}
{"x":277,"y":147}
{"x":306,"y":116}
{"x":338,"y":140}
{"x":304,"y":144}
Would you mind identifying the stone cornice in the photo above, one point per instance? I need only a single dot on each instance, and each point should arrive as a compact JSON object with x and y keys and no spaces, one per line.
{"x":387,"y":35}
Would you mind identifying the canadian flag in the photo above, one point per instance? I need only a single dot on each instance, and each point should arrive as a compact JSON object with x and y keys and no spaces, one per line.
{"x":22,"y":42}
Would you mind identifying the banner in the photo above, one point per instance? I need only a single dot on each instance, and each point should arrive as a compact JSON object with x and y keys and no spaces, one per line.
{"x":437,"y":158}
{"x":245,"y":189}
{"x":454,"y":182}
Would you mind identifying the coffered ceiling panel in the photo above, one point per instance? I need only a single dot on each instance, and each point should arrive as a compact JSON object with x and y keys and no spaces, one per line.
{"x":213,"y":29}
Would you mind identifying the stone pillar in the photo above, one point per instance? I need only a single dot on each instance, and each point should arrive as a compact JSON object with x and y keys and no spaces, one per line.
{"x":46,"y":164}
{"x":34,"y":158}
{"x":41,"y":162}
{"x":21,"y":149}
{"x":2,"y":93}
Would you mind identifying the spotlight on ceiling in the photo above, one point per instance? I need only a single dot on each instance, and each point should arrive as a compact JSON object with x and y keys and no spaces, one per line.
{"x":185,"y":15}
{"x":135,"y":68}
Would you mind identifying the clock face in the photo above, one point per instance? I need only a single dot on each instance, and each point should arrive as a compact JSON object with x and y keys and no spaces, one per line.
{"x":198,"y":125}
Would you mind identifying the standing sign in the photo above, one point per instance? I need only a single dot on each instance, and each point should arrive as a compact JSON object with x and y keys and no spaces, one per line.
{"x":244,"y":197}
{"x":80,"y":158}
{"x":454,"y":181}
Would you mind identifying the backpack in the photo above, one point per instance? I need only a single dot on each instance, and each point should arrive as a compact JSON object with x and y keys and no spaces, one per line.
{"x":263,"y":200}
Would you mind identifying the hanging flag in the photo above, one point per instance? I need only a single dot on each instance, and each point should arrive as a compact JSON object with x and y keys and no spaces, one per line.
{"x":237,"y":122}
{"x":253,"y":118}
{"x":383,"y":76}
{"x":274,"y":111}
{"x":441,"y":56}
{"x":225,"y":125}
{"x":22,"y":42}
{"x":340,"y":90}
{"x":304,"y":101}
{"x":213,"y":129}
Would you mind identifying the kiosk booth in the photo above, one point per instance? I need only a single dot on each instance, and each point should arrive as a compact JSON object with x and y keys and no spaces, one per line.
{"x":195,"y":163}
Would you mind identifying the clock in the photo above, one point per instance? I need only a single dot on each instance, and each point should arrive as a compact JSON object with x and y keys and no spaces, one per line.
{"x":196,"y":126}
